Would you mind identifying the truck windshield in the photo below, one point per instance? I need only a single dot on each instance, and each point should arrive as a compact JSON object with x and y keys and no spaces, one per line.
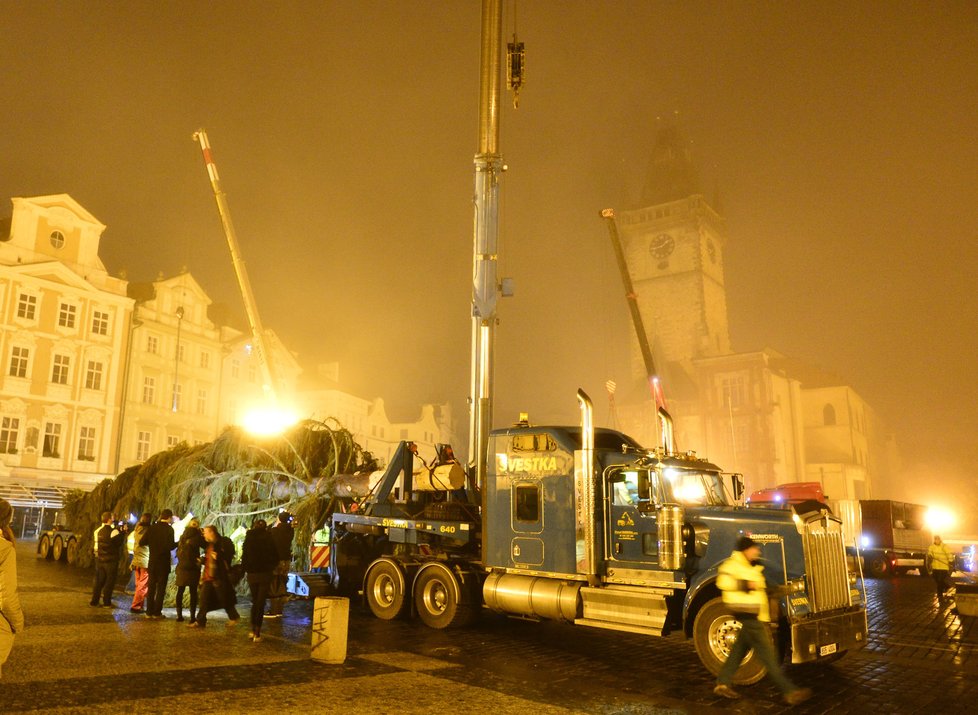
{"x":693,"y":488}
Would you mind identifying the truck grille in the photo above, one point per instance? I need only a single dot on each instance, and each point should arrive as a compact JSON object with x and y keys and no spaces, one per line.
{"x":825,"y":561}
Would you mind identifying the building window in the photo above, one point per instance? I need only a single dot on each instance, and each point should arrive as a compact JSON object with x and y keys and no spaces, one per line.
{"x":252,"y":373}
{"x":27,"y":306}
{"x":235,"y":368}
{"x":205,"y":359}
{"x":828,"y":415}
{"x":18,"y":361}
{"x":66,"y":315}
{"x":733,"y":392}
{"x":177,"y":394}
{"x":142,"y":446}
{"x":181,"y":352}
{"x":201,"y":402}
{"x":52,"y":440}
{"x":172,"y":441}
{"x":100,"y":323}
{"x":152,"y":344}
{"x":93,"y":375}
{"x":149,"y":390}
{"x":59,"y":374}
{"x":57,"y":239}
{"x":9,"y":428}
{"x":86,"y":444}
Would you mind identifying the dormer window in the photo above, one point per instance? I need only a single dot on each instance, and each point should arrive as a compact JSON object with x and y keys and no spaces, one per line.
{"x":57,"y":239}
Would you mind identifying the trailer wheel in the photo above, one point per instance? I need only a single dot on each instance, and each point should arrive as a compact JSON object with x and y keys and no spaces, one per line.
{"x":438,"y":597}
{"x":385,"y":590}
{"x":714,"y":633}
{"x":72,"y":551}
{"x":44,"y":548}
{"x":878,"y":566}
{"x":58,"y":549}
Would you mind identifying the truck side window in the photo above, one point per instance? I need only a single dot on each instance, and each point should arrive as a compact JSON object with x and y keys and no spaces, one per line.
{"x":534,"y":443}
{"x":526,"y":500}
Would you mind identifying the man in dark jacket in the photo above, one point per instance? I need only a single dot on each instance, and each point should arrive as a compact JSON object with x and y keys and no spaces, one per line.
{"x":108,"y":539}
{"x":259,"y":557}
{"x":282,"y":534}
{"x":161,"y":542}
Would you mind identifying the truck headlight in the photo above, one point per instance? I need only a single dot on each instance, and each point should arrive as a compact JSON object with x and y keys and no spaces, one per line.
{"x":796,"y":585}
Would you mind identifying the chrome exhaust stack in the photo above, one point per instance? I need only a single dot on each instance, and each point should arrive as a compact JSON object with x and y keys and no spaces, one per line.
{"x":584,"y":488}
{"x":668,"y":432}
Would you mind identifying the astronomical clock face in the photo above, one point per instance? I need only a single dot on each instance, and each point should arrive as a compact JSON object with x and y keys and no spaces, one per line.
{"x":662,"y":246}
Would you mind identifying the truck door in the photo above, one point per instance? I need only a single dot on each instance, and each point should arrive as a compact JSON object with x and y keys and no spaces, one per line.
{"x":632,"y":534}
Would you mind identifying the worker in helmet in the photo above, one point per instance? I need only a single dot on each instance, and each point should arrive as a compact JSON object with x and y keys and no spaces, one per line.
{"x":744,"y":590}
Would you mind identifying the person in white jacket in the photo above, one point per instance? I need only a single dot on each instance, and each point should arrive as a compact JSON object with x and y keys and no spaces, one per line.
{"x":11,"y":615}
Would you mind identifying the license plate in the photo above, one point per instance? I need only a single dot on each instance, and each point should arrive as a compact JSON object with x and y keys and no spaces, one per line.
{"x":828,"y":649}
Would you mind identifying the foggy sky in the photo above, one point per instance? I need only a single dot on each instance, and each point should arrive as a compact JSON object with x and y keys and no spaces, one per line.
{"x":840,"y":137}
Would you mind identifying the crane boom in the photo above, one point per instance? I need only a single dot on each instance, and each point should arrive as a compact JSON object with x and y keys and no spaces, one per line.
{"x":259,"y":341}
{"x":631,"y":297}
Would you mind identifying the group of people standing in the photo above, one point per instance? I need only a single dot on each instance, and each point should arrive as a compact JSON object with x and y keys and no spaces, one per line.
{"x":204,"y":567}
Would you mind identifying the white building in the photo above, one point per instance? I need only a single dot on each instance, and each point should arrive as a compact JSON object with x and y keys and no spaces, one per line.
{"x":65,"y":324}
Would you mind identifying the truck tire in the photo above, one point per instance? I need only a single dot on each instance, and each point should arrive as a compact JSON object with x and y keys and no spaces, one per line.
{"x":714,"y":633}
{"x":386,"y":590}
{"x":72,"y":551}
{"x":439,"y":598}
{"x":878,"y":566}
{"x":44,"y":548}
{"x":58,"y":548}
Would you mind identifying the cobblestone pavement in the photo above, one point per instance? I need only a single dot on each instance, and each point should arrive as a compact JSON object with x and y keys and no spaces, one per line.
{"x":73,"y":658}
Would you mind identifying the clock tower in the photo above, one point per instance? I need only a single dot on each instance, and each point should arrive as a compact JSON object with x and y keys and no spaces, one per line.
{"x":674,"y":249}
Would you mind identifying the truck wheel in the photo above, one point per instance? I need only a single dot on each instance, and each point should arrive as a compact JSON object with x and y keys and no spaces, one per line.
{"x":44,"y":548}
{"x":72,"y":550}
{"x":438,"y":597}
{"x":878,"y":566}
{"x":714,"y":633}
{"x":385,"y":590}
{"x":58,"y":549}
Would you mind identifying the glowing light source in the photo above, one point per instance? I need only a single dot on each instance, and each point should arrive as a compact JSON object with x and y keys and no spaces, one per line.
{"x":267,"y":421}
{"x":938,"y":519}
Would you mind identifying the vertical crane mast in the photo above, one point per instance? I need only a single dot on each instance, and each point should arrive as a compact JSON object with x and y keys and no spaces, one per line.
{"x":488,"y":167}
{"x":259,"y":343}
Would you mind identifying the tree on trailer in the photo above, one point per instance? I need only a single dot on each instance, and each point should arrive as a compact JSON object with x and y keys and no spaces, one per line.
{"x":587,"y":527}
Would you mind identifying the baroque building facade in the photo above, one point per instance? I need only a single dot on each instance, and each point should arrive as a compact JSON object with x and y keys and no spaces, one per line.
{"x":64,"y":325}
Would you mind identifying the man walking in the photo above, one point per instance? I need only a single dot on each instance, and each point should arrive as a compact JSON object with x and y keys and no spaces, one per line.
{"x":939,"y":560}
{"x":160,"y":539}
{"x":282,"y":534}
{"x":744,"y":589}
{"x":107,"y":542}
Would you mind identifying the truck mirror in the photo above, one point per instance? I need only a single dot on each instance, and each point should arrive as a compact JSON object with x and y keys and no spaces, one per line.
{"x":644,"y":487}
{"x":737,"y":484}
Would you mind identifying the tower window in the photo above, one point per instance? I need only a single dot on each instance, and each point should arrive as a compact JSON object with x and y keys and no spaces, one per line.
{"x":828,"y":415}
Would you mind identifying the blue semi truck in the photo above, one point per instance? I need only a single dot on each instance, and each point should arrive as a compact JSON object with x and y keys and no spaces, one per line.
{"x":586,"y":526}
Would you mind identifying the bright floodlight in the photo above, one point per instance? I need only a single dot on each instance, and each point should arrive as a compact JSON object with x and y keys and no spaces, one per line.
{"x":268,"y":421}
{"x":939,"y":520}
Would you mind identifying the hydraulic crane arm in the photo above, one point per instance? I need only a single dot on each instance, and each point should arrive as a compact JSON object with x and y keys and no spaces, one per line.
{"x":259,"y":341}
{"x":643,"y":338}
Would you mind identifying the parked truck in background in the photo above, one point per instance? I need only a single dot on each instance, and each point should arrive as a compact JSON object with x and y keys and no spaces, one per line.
{"x":889,"y":537}
{"x":892,"y":535}
{"x":586,"y":526}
